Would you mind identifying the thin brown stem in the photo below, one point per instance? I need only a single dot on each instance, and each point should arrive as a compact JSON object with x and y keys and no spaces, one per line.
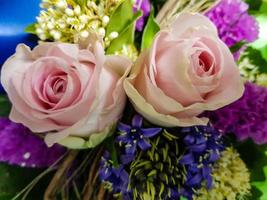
{"x":51,"y":190}
{"x":102,"y":192}
{"x":92,"y":177}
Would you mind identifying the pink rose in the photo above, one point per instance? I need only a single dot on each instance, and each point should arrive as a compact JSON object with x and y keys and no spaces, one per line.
{"x":187,"y":70}
{"x":67,"y":91}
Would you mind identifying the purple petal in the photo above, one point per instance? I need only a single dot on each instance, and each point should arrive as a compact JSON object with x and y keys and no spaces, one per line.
{"x":126,"y":159}
{"x":187,"y":159}
{"x":130,"y":148}
{"x":143,"y":144}
{"x":21,"y":147}
{"x":150,"y":132}
{"x":137,"y":121}
{"x":189,"y":139}
{"x":195,"y":180}
{"x":214,"y":156}
{"x":122,"y":138}
{"x":124,"y":127}
{"x":198,"y":147}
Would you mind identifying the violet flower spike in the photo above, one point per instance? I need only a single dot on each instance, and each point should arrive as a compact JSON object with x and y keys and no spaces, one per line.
{"x":134,"y":135}
{"x":118,"y":177}
{"x":145,"y":7}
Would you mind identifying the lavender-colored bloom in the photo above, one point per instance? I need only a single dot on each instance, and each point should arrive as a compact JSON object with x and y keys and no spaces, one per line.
{"x":233,"y":22}
{"x":203,"y":145}
{"x":247,"y":117}
{"x":19,"y":146}
{"x":145,"y":7}
{"x":134,"y":135}
{"x":116,"y":176}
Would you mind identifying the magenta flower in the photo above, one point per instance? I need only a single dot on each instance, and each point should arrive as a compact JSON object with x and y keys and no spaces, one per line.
{"x":18,"y":146}
{"x":145,"y":7}
{"x":233,"y":22}
{"x":247,"y":117}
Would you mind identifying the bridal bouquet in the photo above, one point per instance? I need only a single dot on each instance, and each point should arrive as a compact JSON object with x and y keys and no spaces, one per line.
{"x":142,"y":99}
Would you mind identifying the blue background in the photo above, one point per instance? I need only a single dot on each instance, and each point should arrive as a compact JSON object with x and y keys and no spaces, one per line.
{"x":15,"y":16}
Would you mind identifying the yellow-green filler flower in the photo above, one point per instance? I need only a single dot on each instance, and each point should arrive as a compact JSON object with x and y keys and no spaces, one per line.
{"x":69,"y":20}
{"x":231,"y":179}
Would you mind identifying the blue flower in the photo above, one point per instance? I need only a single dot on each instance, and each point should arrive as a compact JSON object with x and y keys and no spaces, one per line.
{"x":117,"y":177}
{"x":134,"y":135}
{"x":203,"y":145}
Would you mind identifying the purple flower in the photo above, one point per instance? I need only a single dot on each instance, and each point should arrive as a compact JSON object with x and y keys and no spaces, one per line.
{"x":116,"y":176}
{"x":134,"y":135}
{"x":233,"y":22}
{"x":20,"y":147}
{"x":145,"y":6}
{"x":203,"y":145}
{"x":247,"y":117}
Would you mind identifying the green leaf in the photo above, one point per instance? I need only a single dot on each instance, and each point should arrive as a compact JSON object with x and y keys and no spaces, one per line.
{"x":126,"y":37}
{"x":150,"y":31}
{"x":264,"y":52}
{"x":256,"y":58}
{"x":262,"y":186}
{"x":237,"y":46}
{"x":121,"y":17}
{"x":5,"y":106}
{"x":255,"y":160}
{"x":109,"y":143}
{"x":254,"y":5}
{"x":31,"y":29}
{"x":13,"y":179}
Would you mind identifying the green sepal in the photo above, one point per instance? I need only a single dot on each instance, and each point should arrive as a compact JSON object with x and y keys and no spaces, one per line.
{"x":75,"y":142}
{"x":151,"y":29}
{"x":262,"y":185}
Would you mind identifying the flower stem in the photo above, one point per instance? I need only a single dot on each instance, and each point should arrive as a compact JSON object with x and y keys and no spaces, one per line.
{"x":51,"y":190}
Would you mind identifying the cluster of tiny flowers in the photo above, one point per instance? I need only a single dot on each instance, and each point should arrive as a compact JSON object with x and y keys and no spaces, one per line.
{"x":67,"y":21}
{"x":115,"y":178}
{"x":245,"y":118}
{"x":203,"y":146}
{"x":231,"y":179}
{"x":130,"y":138}
{"x":248,"y":70}
{"x":164,"y":164}
{"x":128,"y":50}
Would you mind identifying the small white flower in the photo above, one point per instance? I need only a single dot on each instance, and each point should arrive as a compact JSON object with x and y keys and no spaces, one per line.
{"x":62,"y":4}
{"x":77,"y":10}
{"x":105,"y":20}
{"x":27,"y":155}
{"x":102,"y":31}
{"x":84,"y":34}
{"x":69,"y":12}
{"x":113,"y":35}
